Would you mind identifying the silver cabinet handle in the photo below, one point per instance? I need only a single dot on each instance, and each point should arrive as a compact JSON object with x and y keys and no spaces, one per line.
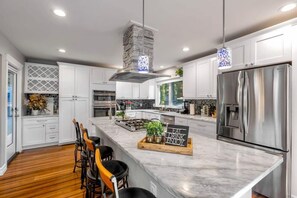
{"x":246,"y":65}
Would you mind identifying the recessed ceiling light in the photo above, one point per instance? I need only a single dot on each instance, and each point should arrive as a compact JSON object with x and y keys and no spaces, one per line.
{"x":62,"y":50}
{"x":185,"y":49}
{"x":59,"y":12}
{"x":288,"y":7}
{"x":162,"y":66}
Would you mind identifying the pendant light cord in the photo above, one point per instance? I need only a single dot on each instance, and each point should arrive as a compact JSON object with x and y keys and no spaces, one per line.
{"x":224,"y":28}
{"x":143,"y":27}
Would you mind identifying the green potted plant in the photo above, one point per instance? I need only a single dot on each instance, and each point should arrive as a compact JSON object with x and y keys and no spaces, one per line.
{"x":179,"y":72}
{"x":154,"y":129}
{"x":121,"y":114}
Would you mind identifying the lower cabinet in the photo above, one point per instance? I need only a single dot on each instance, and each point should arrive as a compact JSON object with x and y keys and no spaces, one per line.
{"x":207,"y":129}
{"x":38,"y":132}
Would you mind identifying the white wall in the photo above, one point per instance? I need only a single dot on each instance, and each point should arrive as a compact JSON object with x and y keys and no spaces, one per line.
{"x":294,"y":114}
{"x":6,"y":47}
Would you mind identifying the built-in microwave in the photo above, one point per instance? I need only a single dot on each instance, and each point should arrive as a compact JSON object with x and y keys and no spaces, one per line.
{"x":103,"y":103}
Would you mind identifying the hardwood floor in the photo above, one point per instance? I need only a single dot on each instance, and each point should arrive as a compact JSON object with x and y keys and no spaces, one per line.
{"x":45,"y":172}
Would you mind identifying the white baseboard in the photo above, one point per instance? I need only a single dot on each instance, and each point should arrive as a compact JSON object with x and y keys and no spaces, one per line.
{"x":3,"y":169}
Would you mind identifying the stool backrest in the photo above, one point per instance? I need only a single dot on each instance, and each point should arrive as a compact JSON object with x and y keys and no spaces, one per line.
{"x":90,"y":150}
{"x":107,"y":178}
{"x":77,"y":130}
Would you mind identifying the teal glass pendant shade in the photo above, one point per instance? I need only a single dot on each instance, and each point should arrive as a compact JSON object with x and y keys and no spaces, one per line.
{"x":224,"y":56}
{"x":143,"y":64}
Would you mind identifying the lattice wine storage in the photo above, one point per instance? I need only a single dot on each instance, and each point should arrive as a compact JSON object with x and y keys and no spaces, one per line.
{"x":40,"y":78}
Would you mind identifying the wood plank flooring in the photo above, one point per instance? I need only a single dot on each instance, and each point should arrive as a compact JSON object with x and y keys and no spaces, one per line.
{"x":45,"y":172}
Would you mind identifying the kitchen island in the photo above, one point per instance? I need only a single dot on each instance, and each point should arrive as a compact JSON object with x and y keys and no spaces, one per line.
{"x":216,"y":169}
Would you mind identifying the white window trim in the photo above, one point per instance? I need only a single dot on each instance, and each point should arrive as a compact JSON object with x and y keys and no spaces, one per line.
{"x":158,"y":84}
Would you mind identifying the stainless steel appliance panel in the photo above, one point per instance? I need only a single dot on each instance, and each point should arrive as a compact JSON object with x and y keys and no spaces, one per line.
{"x":229,"y":115}
{"x":265,"y":106}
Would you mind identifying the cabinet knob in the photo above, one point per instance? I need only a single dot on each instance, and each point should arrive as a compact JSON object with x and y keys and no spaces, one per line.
{"x":252,"y":63}
{"x":246,"y":65}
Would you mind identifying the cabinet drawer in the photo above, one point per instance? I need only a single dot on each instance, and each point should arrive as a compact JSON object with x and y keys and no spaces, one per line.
{"x":181,"y":121}
{"x":33,"y":121}
{"x":203,"y":128}
{"x":52,"y":128}
{"x":52,"y":137}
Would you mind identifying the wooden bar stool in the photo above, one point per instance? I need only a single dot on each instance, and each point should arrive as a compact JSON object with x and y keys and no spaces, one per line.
{"x":109,"y":180}
{"x":118,"y":168}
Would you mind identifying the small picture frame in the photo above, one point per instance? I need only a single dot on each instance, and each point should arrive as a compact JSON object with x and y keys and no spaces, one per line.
{"x":177,"y":135}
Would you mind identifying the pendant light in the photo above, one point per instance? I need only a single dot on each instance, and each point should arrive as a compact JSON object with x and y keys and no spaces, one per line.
{"x":224,"y":54}
{"x":143,"y":60}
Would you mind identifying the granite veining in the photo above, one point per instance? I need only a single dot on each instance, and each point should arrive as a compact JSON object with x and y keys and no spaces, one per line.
{"x":216,"y":169}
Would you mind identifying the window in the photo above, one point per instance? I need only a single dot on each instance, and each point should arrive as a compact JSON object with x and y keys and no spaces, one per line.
{"x":170,"y":93}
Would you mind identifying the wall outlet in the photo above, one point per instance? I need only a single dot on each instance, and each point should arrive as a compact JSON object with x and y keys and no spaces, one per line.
{"x":153,"y":188}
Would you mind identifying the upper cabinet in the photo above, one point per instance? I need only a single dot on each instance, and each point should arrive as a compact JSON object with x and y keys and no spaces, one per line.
{"x":102,"y":75}
{"x":268,"y":48}
{"x":199,"y":79}
{"x":40,"y":78}
{"x":74,"y":81}
{"x":126,"y":90}
{"x":189,"y":80}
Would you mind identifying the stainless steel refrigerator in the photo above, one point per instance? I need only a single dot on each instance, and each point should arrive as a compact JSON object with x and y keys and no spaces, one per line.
{"x":254,"y":109}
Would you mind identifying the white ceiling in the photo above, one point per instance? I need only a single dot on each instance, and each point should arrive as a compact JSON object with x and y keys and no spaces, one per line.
{"x":92,"y":30}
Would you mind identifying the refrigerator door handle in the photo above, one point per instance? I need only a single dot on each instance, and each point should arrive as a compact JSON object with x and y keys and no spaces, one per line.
{"x":246,"y":104}
{"x":239,"y":96}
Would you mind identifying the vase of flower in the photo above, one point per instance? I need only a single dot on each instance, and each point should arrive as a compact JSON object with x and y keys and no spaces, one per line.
{"x":34,"y":112}
{"x":36,"y":104}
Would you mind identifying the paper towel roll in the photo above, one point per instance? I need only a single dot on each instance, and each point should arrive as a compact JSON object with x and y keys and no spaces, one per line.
{"x":192,"y":109}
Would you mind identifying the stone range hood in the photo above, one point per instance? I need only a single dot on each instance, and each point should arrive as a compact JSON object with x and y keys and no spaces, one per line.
{"x":133,"y":48}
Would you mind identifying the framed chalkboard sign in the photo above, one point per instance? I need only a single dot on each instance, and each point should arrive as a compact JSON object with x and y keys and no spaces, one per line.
{"x":177,"y":135}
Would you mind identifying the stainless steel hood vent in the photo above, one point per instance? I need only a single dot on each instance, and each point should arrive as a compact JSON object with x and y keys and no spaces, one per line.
{"x":134,"y":76}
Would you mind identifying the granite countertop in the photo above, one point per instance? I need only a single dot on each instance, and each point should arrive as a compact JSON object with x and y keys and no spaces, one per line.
{"x":216,"y":169}
{"x":40,"y":116}
{"x":170,"y":113}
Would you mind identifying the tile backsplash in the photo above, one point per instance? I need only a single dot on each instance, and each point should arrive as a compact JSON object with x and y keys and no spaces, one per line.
{"x":139,"y":104}
{"x":199,"y":103}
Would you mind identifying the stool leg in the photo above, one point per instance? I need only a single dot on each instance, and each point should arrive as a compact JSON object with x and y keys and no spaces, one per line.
{"x":83,"y":172}
{"x":75,"y":158}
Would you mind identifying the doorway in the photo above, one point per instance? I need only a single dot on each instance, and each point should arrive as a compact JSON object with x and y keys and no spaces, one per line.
{"x":12,"y":112}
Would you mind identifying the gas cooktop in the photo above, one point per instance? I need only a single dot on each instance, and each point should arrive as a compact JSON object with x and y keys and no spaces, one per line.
{"x":132,"y":125}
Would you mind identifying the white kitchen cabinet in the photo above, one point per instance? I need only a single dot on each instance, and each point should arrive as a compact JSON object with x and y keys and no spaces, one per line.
{"x":214,"y":77}
{"x":135,"y":91}
{"x":202,"y":128}
{"x":203,"y":79}
{"x":241,"y":54}
{"x":189,"y":80}
{"x":102,"y":76}
{"x":70,"y":108}
{"x":123,"y":90}
{"x":271,"y":48}
{"x":147,"y":89}
{"x":74,"y":81}
{"x":41,"y":78}
{"x":38,"y":132}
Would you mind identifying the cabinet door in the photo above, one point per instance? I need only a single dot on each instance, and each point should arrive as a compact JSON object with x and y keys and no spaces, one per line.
{"x":82,"y":111}
{"x":213,"y":79}
{"x":135,"y":91}
{"x":144,"y":90}
{"x":189,"y":81}
{"x":204,"y":78}
{"x":66,"y":81}
{"x":108,"y":74}
{"x":124,"y":90}
{"x":271,"y":48}
{"x":82,"y":82}
{"x":241,"y":54}
{"x":152,"y":89}
{"x":181,"y":121}
{"x":66,"y":114}
{"x":97,"y":75}
{"x":33,"y":134}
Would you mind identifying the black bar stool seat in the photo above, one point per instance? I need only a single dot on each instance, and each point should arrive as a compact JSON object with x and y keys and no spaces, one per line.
{"x":135,"y":193}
